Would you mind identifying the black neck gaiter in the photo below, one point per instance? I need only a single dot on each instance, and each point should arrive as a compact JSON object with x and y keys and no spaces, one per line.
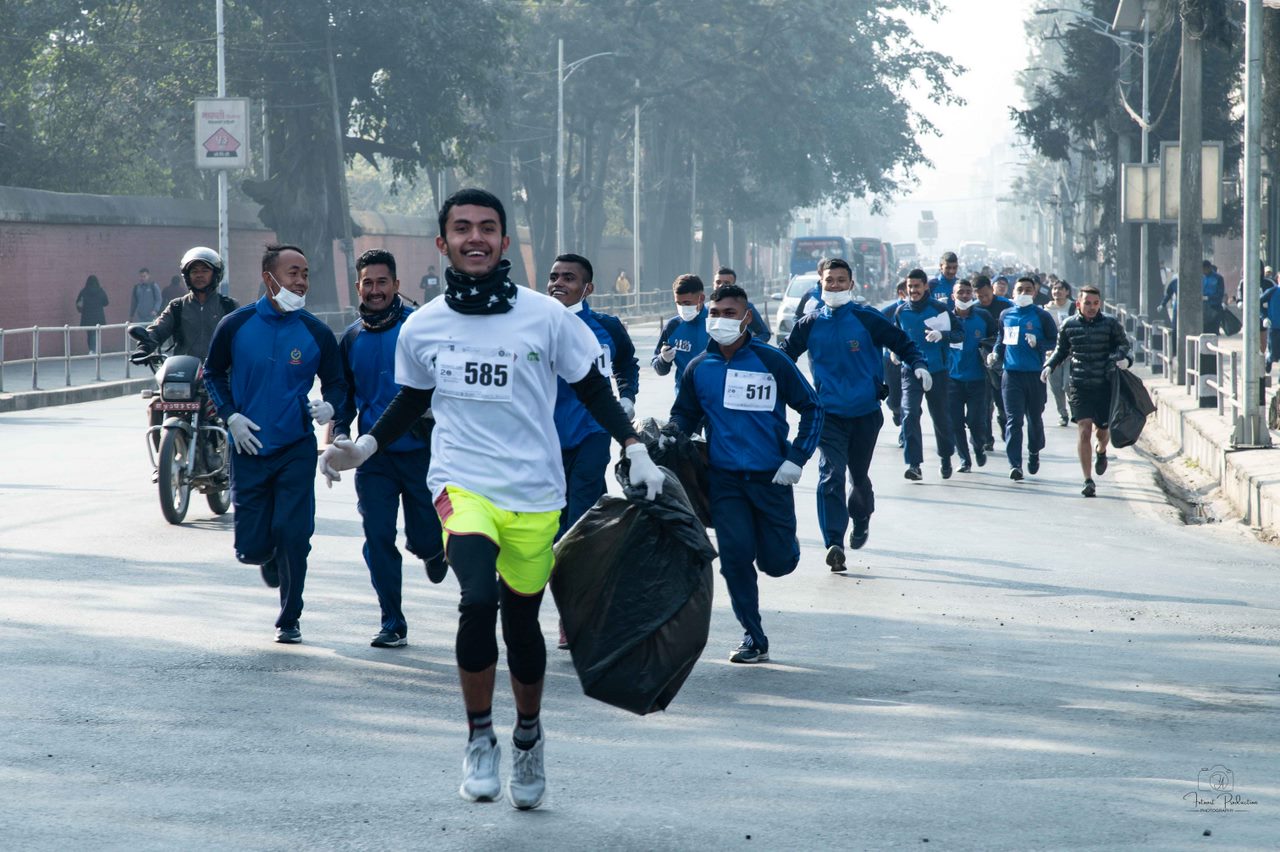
{"x":491,"y":294}
{"x":384,"y":319}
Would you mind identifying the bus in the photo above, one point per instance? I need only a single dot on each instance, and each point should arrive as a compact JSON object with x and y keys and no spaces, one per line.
{"x":807,"y":251}
{"x":875,"y":271}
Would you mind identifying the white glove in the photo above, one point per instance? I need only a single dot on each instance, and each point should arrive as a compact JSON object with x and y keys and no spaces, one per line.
{"x":321,"y":411}
{"x":894,"y":359}
{"x":667,"y":354}
{"x":1031,"y":340}
{"x":788,"y":474}
{"x":644,"y":471}
{"x":1266,"y":323}
{"x":925,"y":379}
{"x":1122,"y":363}
{"x":628,"y":408}
{"x":242,"y":429}
{"x":344,"y":454}
{"x":1044,"y":374}
{"x":991,"y":359}
{"x":932,"y":336}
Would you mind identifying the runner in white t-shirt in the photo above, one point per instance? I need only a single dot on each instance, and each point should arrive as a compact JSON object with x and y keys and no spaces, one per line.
{"x":485,"y":360}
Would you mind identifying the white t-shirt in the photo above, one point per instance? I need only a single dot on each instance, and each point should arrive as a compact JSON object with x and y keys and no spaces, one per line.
{"x":494,"y":377}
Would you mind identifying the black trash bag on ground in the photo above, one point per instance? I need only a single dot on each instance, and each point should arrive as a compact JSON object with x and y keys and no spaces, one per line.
{"x":633,"y":584}
{"x":684,"y":456}
{"x":1130,"y":406}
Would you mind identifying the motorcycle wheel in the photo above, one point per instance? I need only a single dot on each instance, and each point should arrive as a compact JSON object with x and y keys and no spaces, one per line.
{"x":175,"y":494}
{"x":220,"y":501}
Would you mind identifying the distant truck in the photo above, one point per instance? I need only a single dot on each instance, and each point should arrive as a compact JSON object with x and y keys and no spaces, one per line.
{"x":973,"y":256}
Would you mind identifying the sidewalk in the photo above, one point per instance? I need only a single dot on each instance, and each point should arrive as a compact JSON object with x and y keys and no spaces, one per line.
{"x":90,"y":379}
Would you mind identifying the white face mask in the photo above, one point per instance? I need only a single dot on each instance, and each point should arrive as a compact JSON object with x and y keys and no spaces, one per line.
{"x":287,"y":300}
{"x":575,"y":308}
{"x":962,"y":305}
{"x":688,"y":313}
{"x":837,"y":298}
{"x":1023,"y":299}
{"x":724,"y":330}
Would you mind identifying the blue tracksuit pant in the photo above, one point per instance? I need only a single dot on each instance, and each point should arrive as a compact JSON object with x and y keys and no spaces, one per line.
{"x":1024,"y":398}
{"x":275,"y":502}
{"x":847,"y":443}
{"x":383,"y":483}
{"x":969,"y":409}
{"x":584,"y":471}
{"x":939,"y":401}
{"x":755,"y":524}
{"x":894,"y":399}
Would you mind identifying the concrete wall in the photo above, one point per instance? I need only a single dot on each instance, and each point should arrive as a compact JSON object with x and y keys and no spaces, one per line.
{"x":50,"y":242}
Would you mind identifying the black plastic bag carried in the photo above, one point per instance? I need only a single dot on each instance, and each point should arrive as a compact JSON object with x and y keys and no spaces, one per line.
{"x":683,"y":456}
{"x":633,"y":584}
{"x":1130,"y":406}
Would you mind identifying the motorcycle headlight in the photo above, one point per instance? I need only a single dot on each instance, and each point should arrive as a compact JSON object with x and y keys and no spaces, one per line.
{"x":176,"y":390}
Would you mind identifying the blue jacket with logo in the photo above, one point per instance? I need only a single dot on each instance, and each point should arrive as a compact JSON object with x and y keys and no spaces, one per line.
{"x":911,"y":316}
{"x":1019,"y":356}
{"x":844,"y":347}
{"x":752,"y":441}
{"x":369,"y":367}
{"x":980,"y":330}
{"x":689,"y":339}
{"x":573,"y":422}
{"x":941,"y":288}
{"x":262,"y":364}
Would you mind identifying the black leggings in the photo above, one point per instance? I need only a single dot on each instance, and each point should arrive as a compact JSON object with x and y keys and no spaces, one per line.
{"x":475,"y":563}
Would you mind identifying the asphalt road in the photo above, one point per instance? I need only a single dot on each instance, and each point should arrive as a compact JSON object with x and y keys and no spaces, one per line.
{"x":1005,"y":667}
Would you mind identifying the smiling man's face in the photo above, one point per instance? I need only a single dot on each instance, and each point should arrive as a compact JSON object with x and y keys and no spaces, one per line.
{"x":473,"y":239}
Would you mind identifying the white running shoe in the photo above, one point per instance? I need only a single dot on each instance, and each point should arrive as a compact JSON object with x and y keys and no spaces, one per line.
{"x":528,"y":782}
{"x":480,"y":771}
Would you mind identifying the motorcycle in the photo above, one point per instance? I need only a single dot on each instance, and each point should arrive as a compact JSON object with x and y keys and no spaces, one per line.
{"x":186,"y":442}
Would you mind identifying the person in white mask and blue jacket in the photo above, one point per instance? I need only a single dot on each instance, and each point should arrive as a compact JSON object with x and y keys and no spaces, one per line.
{"x":844,"y":341}
{"x":684,"y":337}
{"x":1027,"y":335}
{"x":742,"y":388}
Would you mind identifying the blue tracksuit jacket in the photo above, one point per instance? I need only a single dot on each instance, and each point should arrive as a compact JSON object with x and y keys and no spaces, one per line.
{"x":369,"y":367}
{"x":910,"y":317}
{"x":1019,"y":357}
{"x":262,"y":364}
{"x":573,"y":422}
{"x":748,"y":440}
{"x":966,"y":362}
{"x":689,"y":339}
{"x":844,"y":347}
{"x":940,"y":289}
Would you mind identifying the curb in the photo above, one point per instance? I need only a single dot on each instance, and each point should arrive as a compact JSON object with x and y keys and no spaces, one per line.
{"x":66,"y":396}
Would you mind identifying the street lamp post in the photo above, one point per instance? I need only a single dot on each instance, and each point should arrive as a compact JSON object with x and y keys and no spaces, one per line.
{"x":562,"y":73}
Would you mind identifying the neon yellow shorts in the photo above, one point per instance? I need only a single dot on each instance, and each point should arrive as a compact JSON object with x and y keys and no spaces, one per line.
{"x":523,"y":538}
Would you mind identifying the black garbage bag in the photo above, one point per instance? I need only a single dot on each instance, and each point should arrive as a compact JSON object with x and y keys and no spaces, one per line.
{"x":684,"y":456}
{"x":1130,"y":407}
{"x":633,"y":584}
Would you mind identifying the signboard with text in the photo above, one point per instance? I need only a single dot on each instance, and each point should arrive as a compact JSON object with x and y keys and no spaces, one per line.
{"x":222,"y":133}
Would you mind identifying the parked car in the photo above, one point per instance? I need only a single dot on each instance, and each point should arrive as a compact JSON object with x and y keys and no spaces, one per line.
{"x":797,"y":287}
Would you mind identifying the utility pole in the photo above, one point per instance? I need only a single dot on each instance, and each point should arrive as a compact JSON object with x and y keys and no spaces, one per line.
{"x":559,"y":147}
{"x":693,"y":215}
{"x":1190,"y":221}
{"x":1251,"y":427}
{"x":635,"y":194}
{"x":224,"y":225}
{"x":348,"y":245}
{"x":1146,"y":304}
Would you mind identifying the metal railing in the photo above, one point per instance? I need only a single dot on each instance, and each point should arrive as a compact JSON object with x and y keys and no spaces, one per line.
{"x":1225,"y":384}
{"x":62,"y":333}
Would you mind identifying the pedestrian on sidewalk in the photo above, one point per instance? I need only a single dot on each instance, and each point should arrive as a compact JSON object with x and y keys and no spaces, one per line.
{"x":1061,"y":307}
{"x":1027,"y":334}
{"x":176,"y":290}
{"x":1095,"y":345}
{"x":398,"y":476}
{"x":844,"y":341}
{"x":742,"y":388}
{"x":145,"y":301}
{"x":92,"y":303}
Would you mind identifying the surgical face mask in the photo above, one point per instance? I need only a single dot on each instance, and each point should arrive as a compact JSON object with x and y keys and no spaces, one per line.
{"x":287,"y":300}
{"x":837,"y":298}
{"x":575,"y":308}
{"x":964,"y":304}
{"x":724,"y":330}
{"x":1023,"y":299}
{"x":688,"y":313}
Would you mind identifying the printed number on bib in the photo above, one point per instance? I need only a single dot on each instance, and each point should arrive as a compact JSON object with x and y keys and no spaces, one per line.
{"x":604,"y":362}
{"x":747,"y":391}
{"x":485,"y":375}
{"x":1011,"y":335}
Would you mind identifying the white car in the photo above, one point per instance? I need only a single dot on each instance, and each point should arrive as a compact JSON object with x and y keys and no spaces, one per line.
{"x":789,"y":302}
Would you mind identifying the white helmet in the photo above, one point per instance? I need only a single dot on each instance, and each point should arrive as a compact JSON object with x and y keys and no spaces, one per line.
{"x":207,"y":256}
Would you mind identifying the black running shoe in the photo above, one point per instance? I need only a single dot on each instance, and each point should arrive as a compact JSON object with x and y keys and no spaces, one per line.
{"x":437,"y":568}
{"x":1089,"y":490}
{"x":990,"y":445}
{"x":966,"y":467}
{"x":270,"y":573}
{"x":946,"y":469}
{"x":1033,"y":463}
{"x":388,"y":639}
{"x":861,"y":532}
{"x":1099,"y":463}
{"x":1016,"y":474}
{"x":289,"y":635}
{"x":980,"y":457}
{"x":1062,"y":420}
{"x":913,"y":473}
{"x":835,"y":559}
